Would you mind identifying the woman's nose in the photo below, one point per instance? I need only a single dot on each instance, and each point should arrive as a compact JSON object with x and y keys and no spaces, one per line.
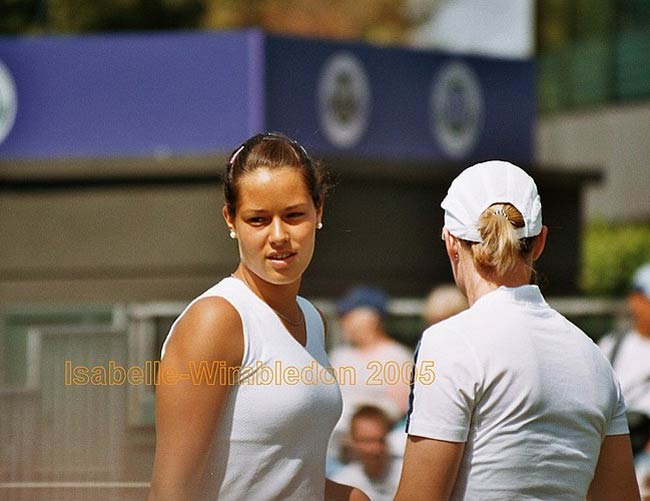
{"x":278,"y":231}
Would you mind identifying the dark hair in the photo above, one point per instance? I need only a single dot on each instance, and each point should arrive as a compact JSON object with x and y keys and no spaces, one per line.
{"x":272,"y":150}
{"x":371,"y":412}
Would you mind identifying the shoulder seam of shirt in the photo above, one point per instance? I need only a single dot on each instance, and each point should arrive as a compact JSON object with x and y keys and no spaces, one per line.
{"x":461,"y":336}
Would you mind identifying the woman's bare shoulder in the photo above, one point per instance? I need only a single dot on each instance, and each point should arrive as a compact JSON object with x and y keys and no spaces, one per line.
{"x":210,"y":329}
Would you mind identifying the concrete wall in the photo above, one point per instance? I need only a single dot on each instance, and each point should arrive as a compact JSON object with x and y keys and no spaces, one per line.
{"x":614,"y":138}
{"x":111,"y":243}
{"x":149,"y":242}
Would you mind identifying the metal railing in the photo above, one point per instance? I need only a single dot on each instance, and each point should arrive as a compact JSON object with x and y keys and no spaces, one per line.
{"x":76,"y":441}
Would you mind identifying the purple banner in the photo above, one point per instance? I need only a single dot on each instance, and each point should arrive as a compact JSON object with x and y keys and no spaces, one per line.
{"x":137,"y":95}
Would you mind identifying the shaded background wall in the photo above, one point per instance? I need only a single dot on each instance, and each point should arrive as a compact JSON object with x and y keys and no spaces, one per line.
{"x":168,"y":242}
{"x":111,"y":191}
{"x":97,"y":256}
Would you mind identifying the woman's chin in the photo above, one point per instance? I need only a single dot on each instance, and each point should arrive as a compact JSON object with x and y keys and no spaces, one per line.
{"x":279,"y":277}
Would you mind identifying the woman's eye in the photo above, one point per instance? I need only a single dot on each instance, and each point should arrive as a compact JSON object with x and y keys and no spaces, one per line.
{"x":255,"y":220}
{"x":295,"y":214}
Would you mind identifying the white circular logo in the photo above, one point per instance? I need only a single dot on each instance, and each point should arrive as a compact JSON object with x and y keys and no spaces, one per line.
{"x":456,"y":109}
{"x":8,"y":102}
{"x":343,"y":100}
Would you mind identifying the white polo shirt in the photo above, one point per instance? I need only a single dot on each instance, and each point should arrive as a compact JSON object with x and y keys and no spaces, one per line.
{"x":527,"y":391}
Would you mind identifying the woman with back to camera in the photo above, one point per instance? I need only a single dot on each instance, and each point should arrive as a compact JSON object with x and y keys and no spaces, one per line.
{"x":243,"y":437}
{"x":523,"y":404}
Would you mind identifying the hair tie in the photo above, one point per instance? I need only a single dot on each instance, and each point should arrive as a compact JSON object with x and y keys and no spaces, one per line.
{"x":500,"y":212}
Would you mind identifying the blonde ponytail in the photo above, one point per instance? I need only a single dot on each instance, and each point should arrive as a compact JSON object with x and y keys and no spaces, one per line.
{"x":500,"y":250}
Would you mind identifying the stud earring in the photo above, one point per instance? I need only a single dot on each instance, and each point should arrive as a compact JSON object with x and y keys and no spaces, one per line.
{"x":319,"y":226}
{"x":233,"y":235}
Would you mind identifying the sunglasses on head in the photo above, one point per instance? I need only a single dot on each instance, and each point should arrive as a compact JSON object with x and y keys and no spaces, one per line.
{"x":300,"y":151}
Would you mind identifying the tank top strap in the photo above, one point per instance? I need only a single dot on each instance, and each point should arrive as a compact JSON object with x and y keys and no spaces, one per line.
{"x":261,"y":323}
{"x":314,"y":325}
{"x":228,"y":289}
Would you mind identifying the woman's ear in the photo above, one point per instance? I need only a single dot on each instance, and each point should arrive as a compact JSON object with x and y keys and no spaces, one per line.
{"x":540,"y":243}
{"x":451,"y":244}
{"x":226,"y":216}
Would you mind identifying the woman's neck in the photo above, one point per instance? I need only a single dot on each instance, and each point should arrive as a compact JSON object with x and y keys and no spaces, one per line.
{"x":478,"y":289}
{"x":478,"y":285}
{"x":281,"y":297}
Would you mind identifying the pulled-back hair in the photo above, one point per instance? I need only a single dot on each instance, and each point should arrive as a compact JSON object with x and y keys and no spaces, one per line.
{"x":500,"y":250}
{"x":272,"y":151}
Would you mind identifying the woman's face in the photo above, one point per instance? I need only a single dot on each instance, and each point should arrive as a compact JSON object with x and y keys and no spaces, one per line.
{"x":640,"y":308}
{"x":275,"y":223}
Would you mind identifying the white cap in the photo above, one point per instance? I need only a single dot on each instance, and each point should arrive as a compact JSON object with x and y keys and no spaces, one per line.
{"x":641,"y":280}
{"x":487,"y":183}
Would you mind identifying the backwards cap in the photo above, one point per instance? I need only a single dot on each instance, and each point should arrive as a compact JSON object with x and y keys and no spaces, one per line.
{"x":481,"y":185}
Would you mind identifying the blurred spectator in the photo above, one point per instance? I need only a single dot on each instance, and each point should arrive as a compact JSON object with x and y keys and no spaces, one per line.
{"x":443,"y":301}
{"x":378,"y":361}
{"x":373,"y":470}
{"x":629,"y":353}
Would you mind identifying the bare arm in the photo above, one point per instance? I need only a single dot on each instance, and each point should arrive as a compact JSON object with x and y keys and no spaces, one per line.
{"x":188,"y":412}
{"x":429,"y":470}
{"x":614,"y":477}
{"x":340,"y":492}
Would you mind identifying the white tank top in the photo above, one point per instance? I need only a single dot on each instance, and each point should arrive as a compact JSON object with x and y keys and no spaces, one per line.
{"x":273,"y":433}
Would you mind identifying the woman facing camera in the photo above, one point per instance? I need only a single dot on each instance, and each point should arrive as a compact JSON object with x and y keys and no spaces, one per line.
{"x":523,"y":404}
{"x":233,"y":431}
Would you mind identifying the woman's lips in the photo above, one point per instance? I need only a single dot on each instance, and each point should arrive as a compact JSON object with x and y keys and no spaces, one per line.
{"x":281,"y":259}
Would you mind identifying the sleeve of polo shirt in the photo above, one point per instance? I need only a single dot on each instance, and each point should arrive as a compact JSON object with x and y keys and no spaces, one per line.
{"x":605,"y":344}
{"x":442,"y":409}
{"x":617,"y":424}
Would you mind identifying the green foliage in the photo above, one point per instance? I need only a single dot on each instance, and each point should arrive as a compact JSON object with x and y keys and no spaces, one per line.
{"x":79,"y":16}
{"x":611,"y":254}
{"x":20,"y":16}
{"x":82,"y":16}
{"x":377,"y":21}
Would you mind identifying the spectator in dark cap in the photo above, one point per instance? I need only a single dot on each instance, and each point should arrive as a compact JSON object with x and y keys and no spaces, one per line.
{"x":377,"y":361}
{"x":363,"y":296}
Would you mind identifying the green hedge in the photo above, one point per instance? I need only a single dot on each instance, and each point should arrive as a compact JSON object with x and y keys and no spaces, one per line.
{"x":611,"y":254}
